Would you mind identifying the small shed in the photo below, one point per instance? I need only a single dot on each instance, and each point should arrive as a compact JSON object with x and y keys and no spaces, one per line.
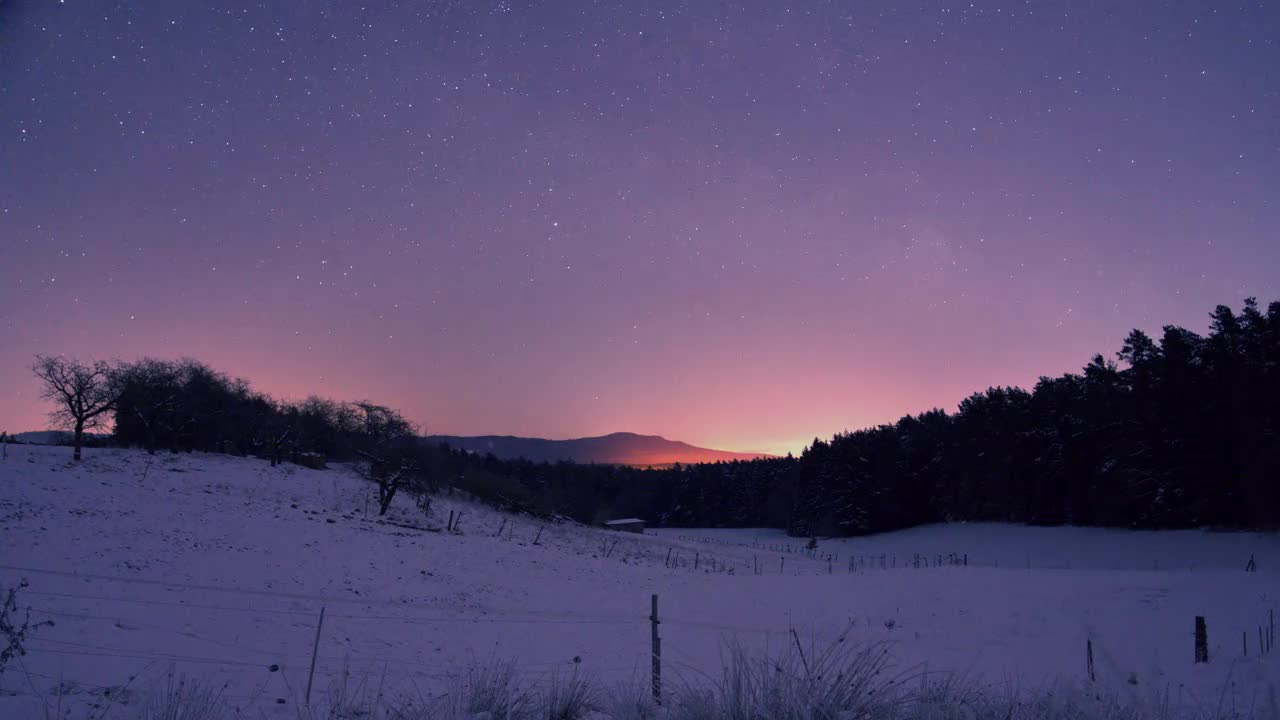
{"x":631,"y":525}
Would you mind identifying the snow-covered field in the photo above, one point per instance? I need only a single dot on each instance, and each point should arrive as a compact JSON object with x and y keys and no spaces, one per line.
{"x":1020,"y":547}
{"x":220,"y":566}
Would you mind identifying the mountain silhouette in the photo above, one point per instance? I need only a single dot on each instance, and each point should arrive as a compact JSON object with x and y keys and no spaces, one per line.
{"x":621,"y":448}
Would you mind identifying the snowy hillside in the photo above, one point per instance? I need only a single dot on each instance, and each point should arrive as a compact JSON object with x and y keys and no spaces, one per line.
{"x":221,"y":566}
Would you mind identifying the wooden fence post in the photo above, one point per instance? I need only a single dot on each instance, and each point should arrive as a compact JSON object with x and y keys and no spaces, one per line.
{"x":1202,"y":641}
{"x":315,"y":648}
{"x":657,"y":652}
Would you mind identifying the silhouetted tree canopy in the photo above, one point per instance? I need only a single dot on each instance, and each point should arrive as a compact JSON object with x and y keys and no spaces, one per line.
{"x":1184,"y":433}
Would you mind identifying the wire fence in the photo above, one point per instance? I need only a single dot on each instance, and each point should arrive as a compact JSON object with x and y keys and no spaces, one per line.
{"x":115,"y":632}
{"x":260,"y":640}
{"x":775,"y":554}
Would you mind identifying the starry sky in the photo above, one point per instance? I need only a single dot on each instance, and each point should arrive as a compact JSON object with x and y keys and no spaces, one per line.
{"x":741,"y":224}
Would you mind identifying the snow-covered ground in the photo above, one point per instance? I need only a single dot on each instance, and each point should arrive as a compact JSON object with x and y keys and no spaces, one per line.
{"x":220,"y":566}
{"x":1020,"y":547}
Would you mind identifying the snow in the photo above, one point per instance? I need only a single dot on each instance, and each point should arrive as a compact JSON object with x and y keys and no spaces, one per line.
{"x":1041,"y":548}
{"x":219,"y":566}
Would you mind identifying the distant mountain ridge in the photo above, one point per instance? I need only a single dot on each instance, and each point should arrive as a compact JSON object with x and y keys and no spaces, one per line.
{"x":621,"y":448}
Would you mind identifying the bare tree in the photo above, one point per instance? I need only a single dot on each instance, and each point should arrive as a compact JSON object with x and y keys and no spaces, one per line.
{"x":380,"y":427}
{"x":83,"y":392}
{"x":385,"y":439}
{"x":391,"y":475}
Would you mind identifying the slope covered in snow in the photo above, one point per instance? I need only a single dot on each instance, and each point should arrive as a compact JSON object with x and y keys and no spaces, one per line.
{"x":221,"y":566}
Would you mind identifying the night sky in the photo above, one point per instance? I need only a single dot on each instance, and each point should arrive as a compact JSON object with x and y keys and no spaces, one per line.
{"x":738,"y":224}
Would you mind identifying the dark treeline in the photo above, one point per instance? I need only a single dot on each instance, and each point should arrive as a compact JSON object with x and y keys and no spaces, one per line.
{"x":185,"y":405}
{"x":756,"y":493}
{"x":1185,"y":432}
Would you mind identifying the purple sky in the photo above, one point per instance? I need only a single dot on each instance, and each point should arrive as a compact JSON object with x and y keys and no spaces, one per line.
{"x":737,"y":224}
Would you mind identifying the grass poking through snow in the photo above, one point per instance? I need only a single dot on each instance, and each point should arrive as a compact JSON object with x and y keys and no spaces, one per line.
{"x":842,"y":681}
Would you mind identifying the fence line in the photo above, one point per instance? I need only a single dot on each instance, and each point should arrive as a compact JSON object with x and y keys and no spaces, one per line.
{"x":571,"y":618}
{"x":360,"y":662}
{"x":554,"y":619}
{"x":538,"y":619}
{"x":240,"y":659}
{"x":348,"y":668}
{"x":272,"y":654}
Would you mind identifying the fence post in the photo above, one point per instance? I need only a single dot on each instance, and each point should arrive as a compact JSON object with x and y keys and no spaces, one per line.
{"x":657,"y":652}
{"x":1202,"y":641}
{"x":315,"y":648}
{"x":1088,"y":649}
